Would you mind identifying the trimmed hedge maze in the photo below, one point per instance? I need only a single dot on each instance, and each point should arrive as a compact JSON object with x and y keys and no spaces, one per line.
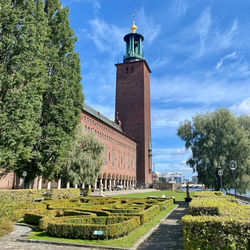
{"x":216,"y":221}
{"x":79,"y":218}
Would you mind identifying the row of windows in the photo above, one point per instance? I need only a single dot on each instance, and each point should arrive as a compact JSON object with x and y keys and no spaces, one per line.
{"x":109,"y":138}
{"x":120,"y":160}
{"x":129,"y":70}
{"x":100,"y":126}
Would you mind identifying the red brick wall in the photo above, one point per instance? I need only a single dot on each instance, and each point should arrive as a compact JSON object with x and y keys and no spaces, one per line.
{"x":133,"y":107}
{"x":120,"y":151}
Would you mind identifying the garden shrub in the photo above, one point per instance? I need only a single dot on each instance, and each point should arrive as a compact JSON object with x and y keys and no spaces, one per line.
{"x":29,"y":195}
{"x":79,"y":217}
{"x":216,"y":221}
{"x":6,"y":226}
{"x":113,"y":227}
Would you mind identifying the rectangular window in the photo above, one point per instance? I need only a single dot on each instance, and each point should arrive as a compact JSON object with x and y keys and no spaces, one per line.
{"x":128,"y":161}
{"x":118,"y":159}
{"x":112,"y":157}
{"x":105,"y":162}
{"x":124,"y":161}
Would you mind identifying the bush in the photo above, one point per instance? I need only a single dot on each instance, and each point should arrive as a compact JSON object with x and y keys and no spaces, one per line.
{"x":216,"y":221}
{"x":112,"y":227}
{"x":206,"y":232}
{"x":6,"y":226}
{"x":29,"y":195}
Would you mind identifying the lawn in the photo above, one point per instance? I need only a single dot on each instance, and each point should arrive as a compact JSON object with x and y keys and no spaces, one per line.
{"x":179,"y":196}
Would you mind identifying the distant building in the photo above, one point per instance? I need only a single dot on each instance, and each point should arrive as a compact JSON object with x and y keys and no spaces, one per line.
{"x":171,"y":177}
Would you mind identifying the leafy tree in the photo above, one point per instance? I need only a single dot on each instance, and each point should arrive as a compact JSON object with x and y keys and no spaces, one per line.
{"x":63,"y":98}
{"x":85,"y":158}
{"x":40,"y":89}
{"x":23,"y":28}
{"x":215,"y":139}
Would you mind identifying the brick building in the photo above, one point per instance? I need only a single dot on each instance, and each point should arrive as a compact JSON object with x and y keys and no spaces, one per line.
{"x":127,"y":140}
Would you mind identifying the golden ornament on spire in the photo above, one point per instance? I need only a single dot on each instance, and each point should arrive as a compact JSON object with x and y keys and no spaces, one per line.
{"x":133,"y":27}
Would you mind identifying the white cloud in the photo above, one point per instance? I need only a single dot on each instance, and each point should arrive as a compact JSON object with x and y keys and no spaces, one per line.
{"x":203,"y":28}
{"x":181,"y":151}
{"x":147,"y":26}
{"x":242,"y":107}
{"x":221,"y":61}
{"x":179,"y":7}
{"x":159,"y":62}
{"x":107,"y":37}
{"x":233,"y":65}
{"x":202,"y":91}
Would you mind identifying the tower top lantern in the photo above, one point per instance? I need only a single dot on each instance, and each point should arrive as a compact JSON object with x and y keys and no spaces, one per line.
{"x":133,"y":45}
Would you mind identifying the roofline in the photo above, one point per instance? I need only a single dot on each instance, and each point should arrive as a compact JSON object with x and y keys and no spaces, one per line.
{"x":96,"y":114}
{"x":136,"y":62}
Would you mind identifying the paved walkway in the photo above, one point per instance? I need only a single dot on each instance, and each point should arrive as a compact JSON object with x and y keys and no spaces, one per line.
{"x":9,"y":242}
{"x":168,"y":236}
{"x":122,"y":192}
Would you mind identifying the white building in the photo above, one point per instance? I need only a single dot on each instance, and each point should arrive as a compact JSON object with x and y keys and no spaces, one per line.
{"x":171,"y":177}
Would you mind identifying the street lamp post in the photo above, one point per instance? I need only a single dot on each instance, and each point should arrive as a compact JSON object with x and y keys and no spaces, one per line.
{"x":233,"y":166}
{"x":220,"y":173}
{"x":24,"y":174}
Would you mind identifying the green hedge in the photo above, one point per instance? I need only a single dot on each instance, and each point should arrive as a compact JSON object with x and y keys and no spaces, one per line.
{"x":113,"y":227}
{"x":29,"y":195}
{"x":115,"y":216}
{"x":216,"y":221}
{"x":214,"y":232}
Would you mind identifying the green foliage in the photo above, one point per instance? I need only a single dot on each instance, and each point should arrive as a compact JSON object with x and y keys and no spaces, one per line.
{"x":78,"y":218}
{"x":23,"y":77}
{"x":6,"y":226}
{"x":215,"y":139}
{"x":112,"y":227}
{"x":63,"y":98}
{"x":214,"y":216}
{"x":85,"y":158}
{"x":29,"y":195}
{"x":40,"y":90}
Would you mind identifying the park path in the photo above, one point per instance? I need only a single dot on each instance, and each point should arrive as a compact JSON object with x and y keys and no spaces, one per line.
{"x":168,"y":236}
{"x":9,"y":242}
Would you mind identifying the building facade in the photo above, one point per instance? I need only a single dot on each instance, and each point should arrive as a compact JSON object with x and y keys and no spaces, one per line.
{"x":127,"y":140}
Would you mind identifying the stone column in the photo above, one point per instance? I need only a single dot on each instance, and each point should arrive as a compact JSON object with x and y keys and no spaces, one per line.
{"x":109,"y":184}
{"x":105,"y":184}
{"x":59,"y":183}
{"x":68,"y":184}
{"x":83,"y":185}
{"x":49,"y":185}
{"x":76,"y":186}
{"x":95,"y":184}
{"x":40,"y":181}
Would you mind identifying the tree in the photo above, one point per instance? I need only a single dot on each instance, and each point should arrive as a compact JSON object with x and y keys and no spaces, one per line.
{"x":63,"y":98}
{"x":40,"y":89}
{"x":215,"y":139}
{"x":23,"y":29}
{"x":85,"y":158}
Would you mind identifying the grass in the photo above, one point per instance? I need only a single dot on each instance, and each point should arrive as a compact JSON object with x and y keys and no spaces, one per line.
{"x":179,"y":196}
{"x":126,"y":242}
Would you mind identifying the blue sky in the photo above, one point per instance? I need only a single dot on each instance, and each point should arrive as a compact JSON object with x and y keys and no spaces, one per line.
{"x":198,"y":52}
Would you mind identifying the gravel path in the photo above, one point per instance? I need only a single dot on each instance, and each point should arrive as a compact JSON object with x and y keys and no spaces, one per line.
{"x":168,"y":236}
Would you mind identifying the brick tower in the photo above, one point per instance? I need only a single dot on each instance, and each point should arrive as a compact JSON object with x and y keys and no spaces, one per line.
{"x":132,"y":107}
